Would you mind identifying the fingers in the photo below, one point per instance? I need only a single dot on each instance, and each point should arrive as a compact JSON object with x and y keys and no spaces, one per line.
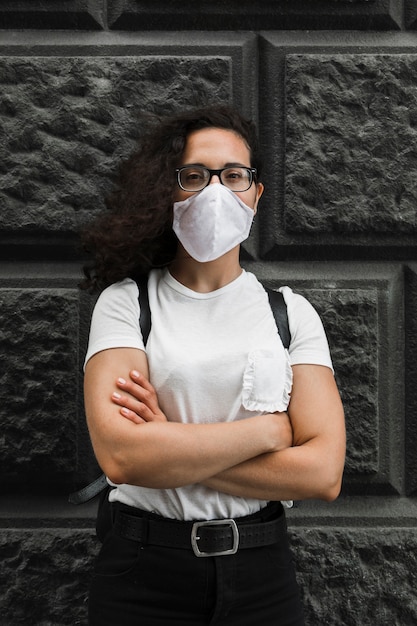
{"x":138,"y":387}
{"x":132,"y":416}
{"x":139,"y":379}
{"x":140,"y":401}
{"x":132,"y":409}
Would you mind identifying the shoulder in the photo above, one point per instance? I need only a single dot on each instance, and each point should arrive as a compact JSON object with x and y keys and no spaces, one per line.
{"x":298,"y":306}
{"x":308,"y":338}
{"x":116,"y":304}
{"x":118,"y":301}
{"x":124,"y":291}
{"x":115,"y":319}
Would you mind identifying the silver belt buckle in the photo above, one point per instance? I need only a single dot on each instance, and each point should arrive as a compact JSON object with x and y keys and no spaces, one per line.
{"x":221,"y":522}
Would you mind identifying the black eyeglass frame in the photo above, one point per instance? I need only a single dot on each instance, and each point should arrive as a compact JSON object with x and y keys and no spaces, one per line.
{"x":251,"y":170}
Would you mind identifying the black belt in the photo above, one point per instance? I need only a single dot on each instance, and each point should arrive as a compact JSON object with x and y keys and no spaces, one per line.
{"x":207,"y":538}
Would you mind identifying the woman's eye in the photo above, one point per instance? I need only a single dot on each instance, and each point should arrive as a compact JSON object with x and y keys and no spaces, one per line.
{"x":233,"y":175}
{"x":191,"y":176}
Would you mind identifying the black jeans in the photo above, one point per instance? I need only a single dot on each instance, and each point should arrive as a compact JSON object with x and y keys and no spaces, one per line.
{"x":137,"y":585}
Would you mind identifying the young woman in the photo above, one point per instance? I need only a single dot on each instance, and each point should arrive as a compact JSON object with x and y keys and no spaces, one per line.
{"x":206,"y":430}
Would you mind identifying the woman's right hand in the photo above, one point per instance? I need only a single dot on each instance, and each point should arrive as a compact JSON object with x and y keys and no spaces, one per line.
{"x":140,"y":404}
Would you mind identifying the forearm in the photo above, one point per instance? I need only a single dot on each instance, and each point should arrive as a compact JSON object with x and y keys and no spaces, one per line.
{"x":296,"y":473}
{"x":168,"y":455}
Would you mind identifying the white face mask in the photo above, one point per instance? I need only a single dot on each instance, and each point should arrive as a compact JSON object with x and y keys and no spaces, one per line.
{"x":211,"y":222}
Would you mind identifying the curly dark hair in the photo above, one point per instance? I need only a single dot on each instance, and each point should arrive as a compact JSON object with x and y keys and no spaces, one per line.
{"x":135,"y":234}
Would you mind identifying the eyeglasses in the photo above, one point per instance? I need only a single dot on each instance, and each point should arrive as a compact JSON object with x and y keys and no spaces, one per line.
{"x":196,"y":177}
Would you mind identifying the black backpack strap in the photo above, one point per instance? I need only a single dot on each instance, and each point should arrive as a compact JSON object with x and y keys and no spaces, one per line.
{"x":89,"y":492}
{"x":145,"y":311}
{"x":279,"y":309}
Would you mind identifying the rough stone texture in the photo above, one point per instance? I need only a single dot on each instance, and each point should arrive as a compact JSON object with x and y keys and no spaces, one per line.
{"x":352,"y":576}
{"x":348,"y":576}
{"x":64,"y":123}
{"x":44,"y":576}
{"x":38,"y":376}
{"x":351,"y":165}
{"x":351,"y":321}
{"x":77,"y":14}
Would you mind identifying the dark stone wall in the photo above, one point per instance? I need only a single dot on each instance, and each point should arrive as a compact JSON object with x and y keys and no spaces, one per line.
{"x":332,"y":84}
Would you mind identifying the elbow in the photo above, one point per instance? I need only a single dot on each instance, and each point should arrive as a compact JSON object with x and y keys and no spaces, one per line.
{"x":331,"y":473}
{"x":331,"y":493}
{"x":120,"y":472}
{"x":114,"y":472}
{"x":330,"y":488}
{"x":111,"y":458}
{"x":114,"y":468}
{"x":116,"y":475}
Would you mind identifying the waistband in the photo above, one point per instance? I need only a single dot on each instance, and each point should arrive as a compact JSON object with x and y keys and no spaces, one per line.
{"x":218,"y":537}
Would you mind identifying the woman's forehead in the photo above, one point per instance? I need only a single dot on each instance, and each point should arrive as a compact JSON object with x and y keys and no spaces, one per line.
{"x":216,"y":141}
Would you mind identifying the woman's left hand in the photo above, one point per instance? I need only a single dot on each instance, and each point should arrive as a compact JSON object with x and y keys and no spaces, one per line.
{"x":140,"y":404}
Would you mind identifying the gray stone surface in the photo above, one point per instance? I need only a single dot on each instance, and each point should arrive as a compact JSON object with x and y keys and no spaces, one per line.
{"x":352,"y":576}
{"x":351,"y":157}
{"x":39,"y":385}
{"x":350,"y":317}
{"x":44,"y":576}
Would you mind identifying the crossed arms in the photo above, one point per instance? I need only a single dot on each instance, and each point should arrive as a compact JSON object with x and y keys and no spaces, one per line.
{"x":280,"y":456}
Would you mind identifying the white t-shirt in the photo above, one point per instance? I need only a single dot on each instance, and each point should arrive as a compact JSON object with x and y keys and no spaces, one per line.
{"x":212,"y":357}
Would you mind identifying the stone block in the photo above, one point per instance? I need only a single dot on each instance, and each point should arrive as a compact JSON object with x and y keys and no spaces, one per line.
{"x":69,"y":14}
{"x":351,"y":576}
{"x":44,"y":576}
{"x":65,"y":123}
{"x":350,"y":135}
{"x":263,"y":15}
{"x":361,"y":309}
{"x":350,"y":317}
{"x":339,"y":168}
{"x":39,"y":386}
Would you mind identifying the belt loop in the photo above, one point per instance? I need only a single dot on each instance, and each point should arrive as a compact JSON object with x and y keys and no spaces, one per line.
{"x":132,"y":527}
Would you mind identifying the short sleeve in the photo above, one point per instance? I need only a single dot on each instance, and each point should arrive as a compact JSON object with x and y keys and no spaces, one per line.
{"x":115,"y":319}
{"x":308,"y":338}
